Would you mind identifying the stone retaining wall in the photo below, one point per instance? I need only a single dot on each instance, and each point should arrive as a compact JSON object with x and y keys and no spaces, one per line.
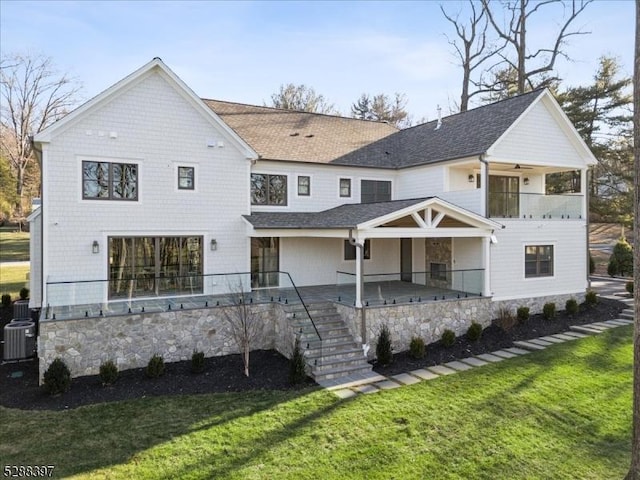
{"x":536,"y":304}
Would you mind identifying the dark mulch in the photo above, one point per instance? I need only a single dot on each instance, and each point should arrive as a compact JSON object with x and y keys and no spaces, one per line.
{"x":269,"y":369}
{"x":495,"y":338}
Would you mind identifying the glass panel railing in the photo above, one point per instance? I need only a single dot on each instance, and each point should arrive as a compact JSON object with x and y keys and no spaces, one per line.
{"x":395,"y":288}
{"x":535,"y":206}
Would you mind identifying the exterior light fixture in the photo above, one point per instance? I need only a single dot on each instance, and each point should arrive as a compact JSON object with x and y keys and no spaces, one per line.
{"x":472,"y":178}
{"x":95,"y":247}
{"x":214,"y":244}
{"x":526,"y":180}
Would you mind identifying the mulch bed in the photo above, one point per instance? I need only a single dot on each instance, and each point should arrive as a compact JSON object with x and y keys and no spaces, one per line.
{"x":269,"y":369}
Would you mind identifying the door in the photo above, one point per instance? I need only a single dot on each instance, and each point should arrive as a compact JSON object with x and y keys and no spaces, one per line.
{"x":504,"y":196}
{"x":265,"y":262}
{"x":406,"y":260}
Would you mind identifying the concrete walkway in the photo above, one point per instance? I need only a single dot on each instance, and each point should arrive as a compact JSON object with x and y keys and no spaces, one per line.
{"x":373,"y":382}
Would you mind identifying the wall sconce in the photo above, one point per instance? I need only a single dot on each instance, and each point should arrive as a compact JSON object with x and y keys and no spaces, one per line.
{"x":526,"y":180}
{"x":95,"y":247}
{"x":214,"y":244}
{"x":472,"y":178}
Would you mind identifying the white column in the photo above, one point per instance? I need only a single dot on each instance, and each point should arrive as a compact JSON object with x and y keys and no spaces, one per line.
{"x":583,"y":190}
{"x":359,"y":271}
{"x":484,"y":187}
{"x":486,"y":262}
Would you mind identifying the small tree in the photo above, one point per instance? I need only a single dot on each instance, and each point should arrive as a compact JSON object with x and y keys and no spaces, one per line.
{"x":384,"y":351}
{"x":244,"y":324}
{"x":621,"y":260}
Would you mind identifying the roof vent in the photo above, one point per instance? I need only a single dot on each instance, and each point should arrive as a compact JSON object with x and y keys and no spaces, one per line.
{"x":309,"y":136}
{"x":294,"y":134}
{"x":439,"y":124}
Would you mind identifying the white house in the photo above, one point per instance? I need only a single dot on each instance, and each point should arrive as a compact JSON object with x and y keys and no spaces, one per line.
{"x":157,"y":203}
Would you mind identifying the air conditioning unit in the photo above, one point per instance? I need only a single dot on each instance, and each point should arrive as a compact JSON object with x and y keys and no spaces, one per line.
{"x":21,"y":310}
{"x":19,"y":338}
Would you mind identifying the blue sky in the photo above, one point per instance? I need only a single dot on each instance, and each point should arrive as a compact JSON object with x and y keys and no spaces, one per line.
{"x":243,"y":51}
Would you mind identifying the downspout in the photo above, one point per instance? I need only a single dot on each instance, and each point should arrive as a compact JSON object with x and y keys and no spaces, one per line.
{"x":360,"y":288}
{"x":485,"y":184}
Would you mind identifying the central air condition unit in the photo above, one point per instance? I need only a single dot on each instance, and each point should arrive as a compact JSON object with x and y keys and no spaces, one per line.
{"x":19,"y":340}
{"x":21,"y":310}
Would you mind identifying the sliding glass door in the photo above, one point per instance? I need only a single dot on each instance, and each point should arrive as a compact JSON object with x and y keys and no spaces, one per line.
{"x":265,"y":262}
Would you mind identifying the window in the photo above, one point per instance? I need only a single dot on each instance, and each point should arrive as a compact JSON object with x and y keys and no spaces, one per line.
{"x":186,"y":178}
{"x":265,"y":262}
{"x":504,"y":196}
{"x":350,"y":250}
{"x":538,"y":261}
{"x":151,"y":266}
{"x":438,"y":271}
{"x":268,"y":189}
{"x":109,"y":181}
{"x":345,"y":187}
{"x":304,"y":186}
{"x":375,"y":191}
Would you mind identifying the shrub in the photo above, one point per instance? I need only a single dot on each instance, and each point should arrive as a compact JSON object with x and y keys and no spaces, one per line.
{"x":621,"y":260}
{"x":108,"y":372}
{"x":629,"y":287}
{"x":24,"y":293}
{"x":523,"y":314}
{"x":549,"y":311}
{"x":57,"y":378}
{"x":197,"y":362}
{"x":384,"y":352}
{"x":297,"y":365}
{"x":416,"y":348}
{"x":571,"y":307}
{"x":155,"y":367}
{"x":505,"y":319}
{"x":591,"y":298}
{"x":6,"y":300}
{"x":612,"y":267}
{"x":592,"y":265}
{"x":448,"y":338}
{"x":474,"y":332}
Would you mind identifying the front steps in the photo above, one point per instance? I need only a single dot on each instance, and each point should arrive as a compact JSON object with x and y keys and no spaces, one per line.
{"x":337,"y":355}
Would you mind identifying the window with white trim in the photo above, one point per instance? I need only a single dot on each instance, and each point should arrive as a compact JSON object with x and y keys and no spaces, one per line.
{"x":304,"y":185}
{"x":186,"y":178}
{"x":345,"y":187}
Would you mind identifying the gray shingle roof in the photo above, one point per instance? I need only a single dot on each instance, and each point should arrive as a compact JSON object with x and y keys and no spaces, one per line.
{"x":461,"y":135}
{"x":344,"y":216}
{"x":277,"y":134}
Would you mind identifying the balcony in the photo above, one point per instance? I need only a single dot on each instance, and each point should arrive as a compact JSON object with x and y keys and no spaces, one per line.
{"x":535,"y":206}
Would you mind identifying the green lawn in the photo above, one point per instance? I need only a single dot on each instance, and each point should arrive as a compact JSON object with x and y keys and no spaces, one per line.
{"x":563,"y":413}
{"x":13,"y":278}
{"x":14,"y":246}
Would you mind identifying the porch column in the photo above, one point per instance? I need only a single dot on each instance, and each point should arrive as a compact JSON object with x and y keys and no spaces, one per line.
{"x":484,"y":188}
{"x":359,"y":273}
{"x":486,"y":261}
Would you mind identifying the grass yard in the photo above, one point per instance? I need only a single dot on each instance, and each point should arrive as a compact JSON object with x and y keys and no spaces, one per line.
{"x":562,"y":413}
{"x":14,"y":246}
{"x":13,"y":278}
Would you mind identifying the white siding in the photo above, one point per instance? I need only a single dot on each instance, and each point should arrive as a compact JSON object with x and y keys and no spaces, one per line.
{"x":324,"y":184}
{"x":157,"y":128}
{"x":421,"y":182}
{"x":507,"y":258}
{"x":539,"y":138}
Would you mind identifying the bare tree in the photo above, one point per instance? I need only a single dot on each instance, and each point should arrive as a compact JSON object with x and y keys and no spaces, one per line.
{"x":32,"y":96}
{"x":634,"y":469}
{"x":301,"y":98}
{"x":471,"y":47}
{"x":382,"y":108}
{"x":530,"y":65}
{"x":244,"y":325}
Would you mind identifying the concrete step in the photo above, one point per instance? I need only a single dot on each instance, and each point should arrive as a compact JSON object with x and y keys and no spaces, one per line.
{"x":324,"y":364}
{"x":344,"y":352}
{"x":584,"y":329}
{"x":316,"y":348}
{"x":327,"y":340}
{"x":529,"y":346}
{"x":339,"y":372}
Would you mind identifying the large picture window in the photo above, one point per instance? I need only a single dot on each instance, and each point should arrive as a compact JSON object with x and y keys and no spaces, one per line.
{"x":375,"y":191}
{"x":109,"y":181}
{"x":538,"y":261}
{"x":268,"y":189}
{"x":154,"y":266}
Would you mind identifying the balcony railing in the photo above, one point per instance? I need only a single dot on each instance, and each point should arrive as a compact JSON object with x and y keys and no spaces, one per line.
{"x":535,"y":206}
{"x":395,"y":288}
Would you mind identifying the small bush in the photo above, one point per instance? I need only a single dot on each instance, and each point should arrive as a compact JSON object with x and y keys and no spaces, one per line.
{"x":297,"y":365}
{"x":197,"y":362}
{"x":591,"y":298}
{"x":108,"y":373}
{"x":592,"y":265}
{"x":571,"y":307}
{"x":612,"y":267}
{"x":549,"y":311}
{"x":505,"y":320}
{"x":474,"y":332}
{"x":384,"y":352}
{"x":629,"y":287}
{"x":24,"y":293}
{"x":621,"y":260}
{"x":155,"y":367}
{"x":523,"y":314}
{"x":417,"y":348}
{"x":6,"y":300}
{"x":448,"y":338}
{"x":57,"y":378}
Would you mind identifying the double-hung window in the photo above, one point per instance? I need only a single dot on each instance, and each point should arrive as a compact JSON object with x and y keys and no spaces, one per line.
{"x":304,"y":186}
{"x":268,"y":189}
{"x":345,"y":187}
{"x":538,"y":261}
{"x":109,"y":181}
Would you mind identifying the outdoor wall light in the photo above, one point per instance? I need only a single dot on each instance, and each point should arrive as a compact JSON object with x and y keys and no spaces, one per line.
{"x":95,"y":247}
{"x":214,"y":244}
{"x":526,"y":180}
{"x":472,"y":178}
